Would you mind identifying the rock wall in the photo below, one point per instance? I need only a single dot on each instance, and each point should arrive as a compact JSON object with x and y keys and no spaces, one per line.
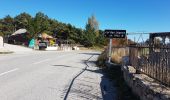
{"x":145,"y":87}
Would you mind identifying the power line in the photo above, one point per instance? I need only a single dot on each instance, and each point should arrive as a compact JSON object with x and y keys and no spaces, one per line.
{"x":136,"y":33}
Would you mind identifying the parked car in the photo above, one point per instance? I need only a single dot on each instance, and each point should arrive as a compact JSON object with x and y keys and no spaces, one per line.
{"x":42,"y":45}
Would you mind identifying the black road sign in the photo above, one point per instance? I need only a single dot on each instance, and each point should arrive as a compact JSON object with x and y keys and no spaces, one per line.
{"x":115,"y":33}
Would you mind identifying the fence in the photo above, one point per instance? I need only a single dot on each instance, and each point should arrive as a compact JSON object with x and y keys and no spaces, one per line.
{"x":152,"y":61}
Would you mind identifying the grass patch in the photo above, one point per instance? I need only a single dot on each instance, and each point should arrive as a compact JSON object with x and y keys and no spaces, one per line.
{"x":97,"y":48}
{"x":101,"y":60}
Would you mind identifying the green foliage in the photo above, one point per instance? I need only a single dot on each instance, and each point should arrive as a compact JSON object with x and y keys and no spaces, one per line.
{"x":89,"y":36}
{"x":7,"y":25}
{"x":1,"y":28}
{"x":92,"y":35}
{"x":90,"y":32}
{"x":40,"y":23}
{"x":101,"y":40}
{"x":22,"y":21}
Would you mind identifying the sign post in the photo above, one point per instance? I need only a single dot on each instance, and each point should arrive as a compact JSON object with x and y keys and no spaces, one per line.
{"x":113,"y":34}
{"x":110,"y":50}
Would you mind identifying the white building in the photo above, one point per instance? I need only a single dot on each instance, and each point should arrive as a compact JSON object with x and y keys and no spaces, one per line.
{"x":1,"y":41}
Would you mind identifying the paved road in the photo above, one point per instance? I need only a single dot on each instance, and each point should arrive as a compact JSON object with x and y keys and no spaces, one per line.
{"x":43,"y":75}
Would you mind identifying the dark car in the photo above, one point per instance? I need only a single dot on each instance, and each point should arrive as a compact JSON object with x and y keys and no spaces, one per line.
{"x":42,"y":45}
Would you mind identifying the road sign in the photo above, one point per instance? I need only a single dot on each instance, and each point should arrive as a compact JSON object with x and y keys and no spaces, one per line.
{"x":115,"y":33}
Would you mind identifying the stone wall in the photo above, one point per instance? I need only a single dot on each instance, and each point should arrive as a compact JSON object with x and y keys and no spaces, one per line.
{"x":145,"y":87}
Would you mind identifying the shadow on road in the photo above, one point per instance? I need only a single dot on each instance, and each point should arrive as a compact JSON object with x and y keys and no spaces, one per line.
{"x":106,"y":85}
{"x":108,"y":89}
{"x":86,"y":87}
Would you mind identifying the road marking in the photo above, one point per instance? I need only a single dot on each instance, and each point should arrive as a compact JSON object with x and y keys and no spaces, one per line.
{"x":9,"y":71}
{"x":41,"y":61}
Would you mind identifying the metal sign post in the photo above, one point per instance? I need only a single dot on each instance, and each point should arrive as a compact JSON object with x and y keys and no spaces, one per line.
{"x":110,"y":50}
{"x":113,"y":34}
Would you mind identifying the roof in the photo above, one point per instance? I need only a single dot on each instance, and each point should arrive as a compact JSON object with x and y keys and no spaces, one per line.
{"x":20,"y":31}
{"x":46,"y":36}
{"x":160,"y":34}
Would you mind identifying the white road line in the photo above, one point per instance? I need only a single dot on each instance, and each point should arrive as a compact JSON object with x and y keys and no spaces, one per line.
{"x":9,"y":71}
{"x":41,"y":61}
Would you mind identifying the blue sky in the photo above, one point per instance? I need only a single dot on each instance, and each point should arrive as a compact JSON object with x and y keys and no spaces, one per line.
{"x":132,"y":15}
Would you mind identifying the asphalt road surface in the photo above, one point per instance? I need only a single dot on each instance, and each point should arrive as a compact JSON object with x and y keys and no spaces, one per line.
{"x":46,"y":75}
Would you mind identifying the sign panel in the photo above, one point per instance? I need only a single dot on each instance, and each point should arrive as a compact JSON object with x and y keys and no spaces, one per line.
{"x":115,"y":33}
